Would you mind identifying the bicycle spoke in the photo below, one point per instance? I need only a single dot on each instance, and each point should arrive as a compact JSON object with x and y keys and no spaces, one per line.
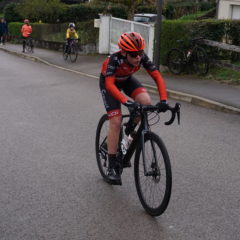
{"x":153,"y":184}
{"x":101,"y":146}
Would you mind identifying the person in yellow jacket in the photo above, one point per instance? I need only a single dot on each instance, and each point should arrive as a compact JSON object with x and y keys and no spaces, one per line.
{"x":71,"y":35}
{"x":26,"y":32}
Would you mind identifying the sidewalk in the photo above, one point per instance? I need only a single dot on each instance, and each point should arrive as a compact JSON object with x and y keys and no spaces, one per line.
{"x":204,"y":93}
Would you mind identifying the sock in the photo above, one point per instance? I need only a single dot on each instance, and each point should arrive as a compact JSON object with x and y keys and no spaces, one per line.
{"x":112,"y":160}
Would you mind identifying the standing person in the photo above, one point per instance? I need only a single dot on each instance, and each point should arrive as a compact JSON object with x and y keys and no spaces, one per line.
{"x":116,"y":75}
{"x":71,"y":35}
{"x":3,"y":31}
{"x":26,"y":32}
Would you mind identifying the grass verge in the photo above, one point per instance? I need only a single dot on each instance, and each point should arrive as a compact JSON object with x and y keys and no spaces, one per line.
{"x":223,"y":75}
{"x":218,"y":74}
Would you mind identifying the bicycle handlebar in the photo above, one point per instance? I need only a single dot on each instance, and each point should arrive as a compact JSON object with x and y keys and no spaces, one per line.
{"x":174,"y":110}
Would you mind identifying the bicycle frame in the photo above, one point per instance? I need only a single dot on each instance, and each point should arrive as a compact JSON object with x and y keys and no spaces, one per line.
{"x":143,"y":129}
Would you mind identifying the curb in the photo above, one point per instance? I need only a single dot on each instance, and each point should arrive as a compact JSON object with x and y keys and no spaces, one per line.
{"x":193,"y":99}
{"x":196,"y":100}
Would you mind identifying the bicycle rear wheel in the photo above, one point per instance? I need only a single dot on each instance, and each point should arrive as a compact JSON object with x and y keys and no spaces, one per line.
{"x":153,"y":185}
{"x":175,"y":60}
{"x":101,"y":146}
{"x":200,"y":61}
{"x":73,"y":53}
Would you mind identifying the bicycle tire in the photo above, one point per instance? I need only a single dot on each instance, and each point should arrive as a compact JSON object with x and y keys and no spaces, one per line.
{"x":73,"y":53}
{"x":200,"y":61}
{"x":101,"y":147}
{"x":161,"y":175}
{"x":175,"y":61}
{"x":65,"y":54}
{"x":29,"y":46}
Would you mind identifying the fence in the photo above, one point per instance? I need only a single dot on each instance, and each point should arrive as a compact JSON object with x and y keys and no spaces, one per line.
{"x":111,"y":28}
{"x":224,"y":46}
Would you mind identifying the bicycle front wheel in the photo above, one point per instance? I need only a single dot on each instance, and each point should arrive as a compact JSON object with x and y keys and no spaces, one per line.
{"x":29,"y":46}
{"x":65,"y":53}
{"x":101,"y":146}
{"x":73,"y":53}
{"x":153,"y":175}
{"x":175,"y":60}
{"x":200,"y":61}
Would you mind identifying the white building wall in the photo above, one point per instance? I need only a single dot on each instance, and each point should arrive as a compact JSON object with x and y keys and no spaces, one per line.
{"x":226,"y":8}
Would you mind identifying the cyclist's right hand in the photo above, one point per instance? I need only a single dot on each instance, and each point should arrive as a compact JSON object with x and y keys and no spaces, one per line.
{"x":131,"y":105}
{"x":163,"y":106}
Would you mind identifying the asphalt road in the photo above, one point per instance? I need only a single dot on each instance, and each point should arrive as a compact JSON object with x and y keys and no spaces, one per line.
{"x":50,"y":187}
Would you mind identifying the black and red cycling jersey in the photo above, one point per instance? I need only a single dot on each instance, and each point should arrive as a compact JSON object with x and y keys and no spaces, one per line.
{"x":116,"y":69}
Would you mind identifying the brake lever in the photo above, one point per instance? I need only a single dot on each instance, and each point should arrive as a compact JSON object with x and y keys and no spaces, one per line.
{"x":178,"y":117}
{"x":174,"y":111}
{"x":172,"y":118}
{"x":178,"y":105}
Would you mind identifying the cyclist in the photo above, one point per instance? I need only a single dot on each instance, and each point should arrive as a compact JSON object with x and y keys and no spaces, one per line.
{"x":26,"y":32}
{"x":3,"y":31}
{"x":116,"y":75}
{"x":71,"y":34}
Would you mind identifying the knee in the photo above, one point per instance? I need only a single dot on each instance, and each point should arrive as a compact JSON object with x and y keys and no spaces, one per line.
{"x":143,"y":98}
{"x":115,"y":123}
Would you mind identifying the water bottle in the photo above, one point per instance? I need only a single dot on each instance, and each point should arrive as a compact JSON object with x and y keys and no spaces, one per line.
{"x":125,"y":143}
{"x":129,"y":140}
{"x":124,"y":146}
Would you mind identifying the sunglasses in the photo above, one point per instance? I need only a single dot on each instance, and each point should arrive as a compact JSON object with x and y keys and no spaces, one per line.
{"x":135,"y":54}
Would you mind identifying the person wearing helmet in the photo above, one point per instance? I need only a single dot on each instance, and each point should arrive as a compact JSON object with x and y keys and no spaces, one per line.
{"x":26,"y":32}
{"x":71,"y":35}
{"x":116,"y":76}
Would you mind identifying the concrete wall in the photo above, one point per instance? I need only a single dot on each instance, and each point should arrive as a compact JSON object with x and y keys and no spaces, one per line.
{"x":225,"y":9}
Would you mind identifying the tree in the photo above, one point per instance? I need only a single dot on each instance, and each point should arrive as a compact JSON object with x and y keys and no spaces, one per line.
{"x":44,"y":10}
{"x":11,"y":14}
{"x":130,"y":4}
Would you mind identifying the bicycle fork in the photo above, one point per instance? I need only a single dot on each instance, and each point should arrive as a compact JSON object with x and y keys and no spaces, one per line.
{"x":153,"y":166}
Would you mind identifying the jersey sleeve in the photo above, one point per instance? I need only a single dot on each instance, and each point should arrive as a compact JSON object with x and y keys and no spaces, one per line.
{"x":76,"y":35}
{"x":155,"y":74}
{"x":110,"y":79}
{"x":67,"y":34}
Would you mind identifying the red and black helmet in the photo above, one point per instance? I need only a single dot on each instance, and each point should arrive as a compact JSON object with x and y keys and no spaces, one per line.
{"x":131,"y":42}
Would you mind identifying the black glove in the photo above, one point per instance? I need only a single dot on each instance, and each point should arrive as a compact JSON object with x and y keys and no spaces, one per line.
{"x":163,"y":106}
{"x":131,"y":105}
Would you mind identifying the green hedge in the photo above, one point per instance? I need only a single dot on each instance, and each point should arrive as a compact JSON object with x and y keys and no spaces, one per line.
{"x":71,"y":13}
{"x":85,"y":12}
{"x":56,"y":32}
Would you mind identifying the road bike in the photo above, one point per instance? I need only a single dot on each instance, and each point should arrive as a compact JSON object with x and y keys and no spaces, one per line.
{"x":70,"y":50}
{"x":152,"y":168}
{"x":29,"y":47}
{"x":193,"y":57}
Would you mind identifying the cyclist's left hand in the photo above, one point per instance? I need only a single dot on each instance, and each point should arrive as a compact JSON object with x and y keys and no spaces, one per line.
{"x":163,"y":105}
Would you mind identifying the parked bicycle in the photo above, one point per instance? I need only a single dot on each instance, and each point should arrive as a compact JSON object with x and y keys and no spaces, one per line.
{"x":71,"y":50}
{"x":194,"y":57}
{"x":152,"y":168}
{"x":29,"y":46}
